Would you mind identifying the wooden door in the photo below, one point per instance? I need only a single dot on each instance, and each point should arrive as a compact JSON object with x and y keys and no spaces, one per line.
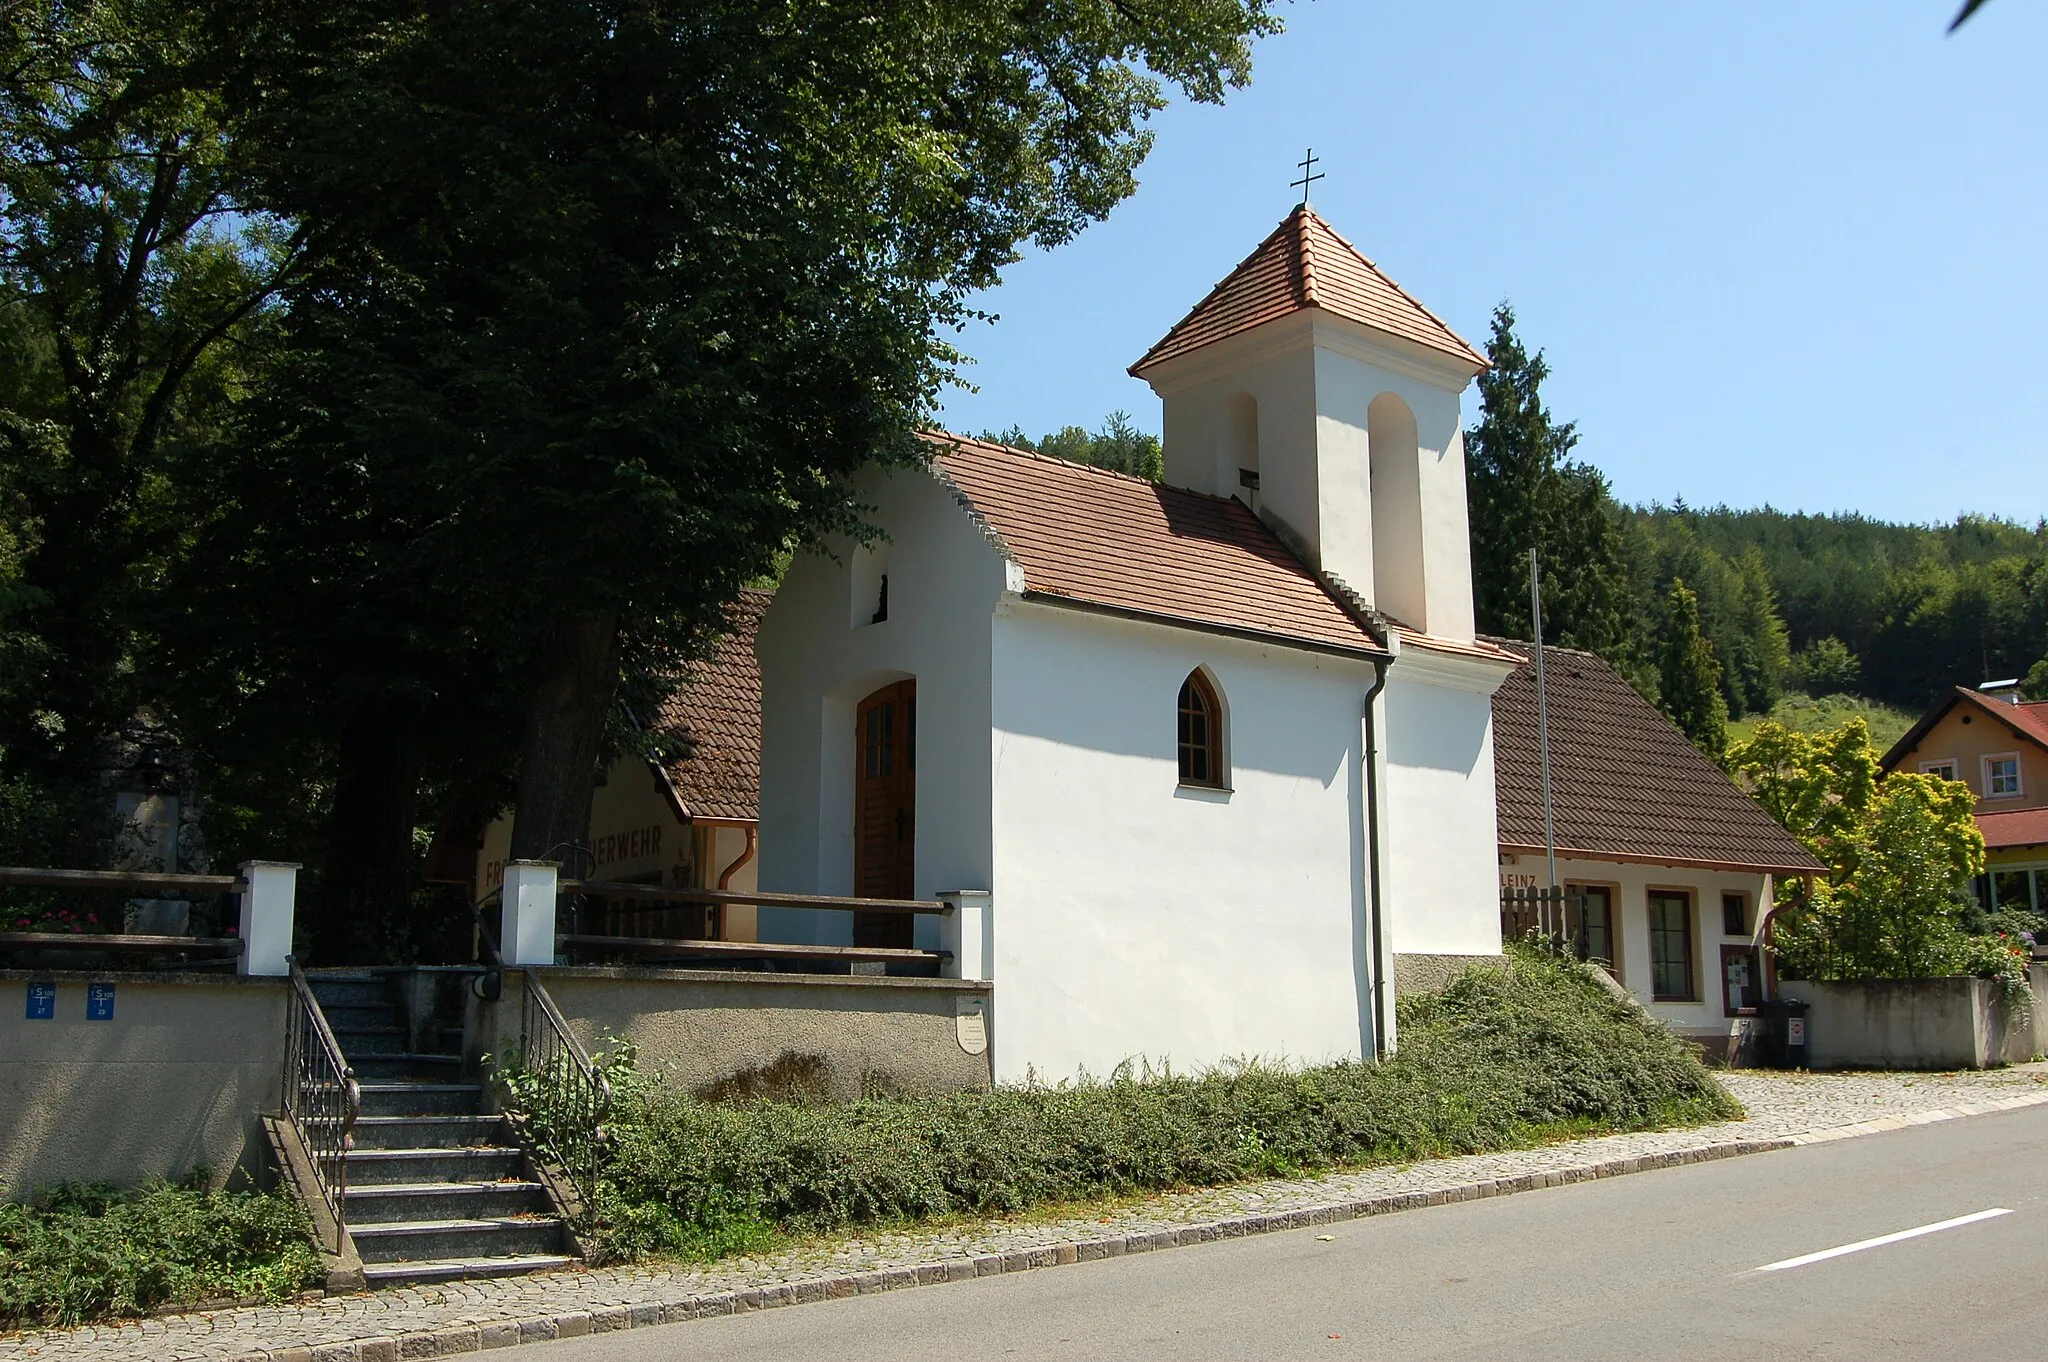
{"x":885,"y":811}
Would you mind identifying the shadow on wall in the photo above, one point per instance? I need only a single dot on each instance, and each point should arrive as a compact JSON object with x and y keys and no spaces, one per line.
{"x":1429,"y":728}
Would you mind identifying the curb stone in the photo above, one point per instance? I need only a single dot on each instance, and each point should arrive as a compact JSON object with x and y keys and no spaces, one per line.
{"x":576,"y":1324}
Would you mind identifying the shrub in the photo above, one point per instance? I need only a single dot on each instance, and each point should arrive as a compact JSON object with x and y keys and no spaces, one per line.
{"x":86,"y":1252}
{"x":1503,"y":1057}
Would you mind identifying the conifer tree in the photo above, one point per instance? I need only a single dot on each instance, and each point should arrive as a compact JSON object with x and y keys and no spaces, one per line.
{"x":1689,"y":676}
{"x":1525,"y":492}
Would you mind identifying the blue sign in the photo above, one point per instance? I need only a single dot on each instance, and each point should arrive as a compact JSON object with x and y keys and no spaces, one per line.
{"x":42,"y":1002}
{"x":99,"y":1002}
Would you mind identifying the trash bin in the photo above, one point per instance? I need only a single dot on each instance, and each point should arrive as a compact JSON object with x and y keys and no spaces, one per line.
{"x":1784,"y":1038}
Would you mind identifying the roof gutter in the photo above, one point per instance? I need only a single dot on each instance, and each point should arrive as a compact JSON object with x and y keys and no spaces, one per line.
{"x":1565,"y":853}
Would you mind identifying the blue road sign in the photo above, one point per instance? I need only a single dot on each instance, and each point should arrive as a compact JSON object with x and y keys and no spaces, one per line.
{"x":42,"y":1002}
{"x":99,"y":1002}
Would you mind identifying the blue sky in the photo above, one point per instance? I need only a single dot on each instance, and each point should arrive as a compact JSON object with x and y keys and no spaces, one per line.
{"x":1785,"y":253}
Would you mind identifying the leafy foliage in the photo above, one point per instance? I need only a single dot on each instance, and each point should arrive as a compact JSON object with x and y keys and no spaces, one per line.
{"x":1826,"y":667}
{"x":1119,"y":446}
{"x":1503,"y":1057}
{"x":87,"y":1252}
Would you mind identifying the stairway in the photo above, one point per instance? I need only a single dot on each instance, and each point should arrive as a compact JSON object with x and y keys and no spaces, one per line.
{"x":433,"y":1194}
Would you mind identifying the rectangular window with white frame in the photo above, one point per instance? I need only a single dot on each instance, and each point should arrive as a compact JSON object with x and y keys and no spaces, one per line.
{"x":2002,"y":776}
{"x":1945,"y":768}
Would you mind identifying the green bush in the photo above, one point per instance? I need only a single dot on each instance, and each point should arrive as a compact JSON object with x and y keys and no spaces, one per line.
{"x":86,"y":1252}
{"x":1503,"y":1057}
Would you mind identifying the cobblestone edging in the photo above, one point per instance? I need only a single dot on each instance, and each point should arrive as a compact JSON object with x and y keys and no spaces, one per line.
{"x":450,"y":1342}
{"x":1785,"y":1110}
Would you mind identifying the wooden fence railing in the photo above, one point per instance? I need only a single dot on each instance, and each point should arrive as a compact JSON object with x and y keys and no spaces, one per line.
{"x":654,"y":897}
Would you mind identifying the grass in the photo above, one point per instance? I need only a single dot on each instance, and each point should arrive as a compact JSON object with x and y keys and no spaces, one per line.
{"x":1810,"y":715}
{"x":1505,"y":1057}
{"x":88,"y":1252}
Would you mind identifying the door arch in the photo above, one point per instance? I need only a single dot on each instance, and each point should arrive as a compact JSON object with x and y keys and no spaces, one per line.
{"x":885,"y":811}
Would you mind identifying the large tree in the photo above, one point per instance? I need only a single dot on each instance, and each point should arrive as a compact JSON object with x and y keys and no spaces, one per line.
{"x":1527,"y":492}
{"x":610,"y":300}
{"x":131,"y":265}
{"x":1689,"y":675}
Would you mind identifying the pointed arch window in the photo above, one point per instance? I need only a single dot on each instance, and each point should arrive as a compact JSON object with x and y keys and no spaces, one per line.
{"x":1201,"y":732}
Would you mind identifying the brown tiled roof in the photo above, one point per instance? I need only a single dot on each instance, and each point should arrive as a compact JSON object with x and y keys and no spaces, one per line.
{"x":1304,"y":263}
{"x":2014,"y":828}
{"x":1436,"y":643}
{"x":2027,"y":720}
{"x":1094,"y":538}
{"x":716,"y":713}
{"x":1625,"y":783}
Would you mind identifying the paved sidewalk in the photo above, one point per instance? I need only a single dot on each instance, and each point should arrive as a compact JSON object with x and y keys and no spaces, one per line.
{"x":1785,"y":1109}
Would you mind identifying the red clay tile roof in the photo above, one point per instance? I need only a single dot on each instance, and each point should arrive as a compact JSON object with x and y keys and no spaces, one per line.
{"x":2027,"y":720}
{"x":2015,"y":828}
{"x":1304,"y":263}
{"x":1095,"y":538}
{"x":1625,"y":784}
{"x":717,"y":713}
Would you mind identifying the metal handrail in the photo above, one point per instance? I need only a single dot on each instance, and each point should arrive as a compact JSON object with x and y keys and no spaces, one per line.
{"x":578,"y":1096}
{"x":321,"y":1095}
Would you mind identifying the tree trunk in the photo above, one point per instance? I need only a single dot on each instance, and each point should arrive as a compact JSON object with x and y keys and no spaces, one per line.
{"x":577,"y":676}
{"x":367,"y":882}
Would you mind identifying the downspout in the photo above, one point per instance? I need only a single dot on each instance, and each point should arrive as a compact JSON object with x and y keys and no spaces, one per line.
{"x":753,"y":836}
{"x":1380,"y":1049}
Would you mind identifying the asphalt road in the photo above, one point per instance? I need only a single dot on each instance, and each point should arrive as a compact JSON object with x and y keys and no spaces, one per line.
{"x":1663,"y":1265}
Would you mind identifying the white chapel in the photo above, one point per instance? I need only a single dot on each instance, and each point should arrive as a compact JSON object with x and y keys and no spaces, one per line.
{"x":1214,"y":756}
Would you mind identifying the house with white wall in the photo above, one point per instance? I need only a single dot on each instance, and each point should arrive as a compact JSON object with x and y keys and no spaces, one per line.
{"x":1218,"y":751}
{"x":1671,"y":868}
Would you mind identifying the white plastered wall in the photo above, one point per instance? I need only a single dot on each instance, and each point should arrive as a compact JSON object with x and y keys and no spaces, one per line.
{"x":1440,"y":836}
{"x":817,"y":665}
{"x":1137,"y":919}
{"x":1632,"y":883}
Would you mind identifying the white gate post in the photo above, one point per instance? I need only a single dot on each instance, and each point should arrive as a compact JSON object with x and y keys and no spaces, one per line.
{"x":527,"y":924}
{"x":969,"y":933}
{"x":268,"y":892}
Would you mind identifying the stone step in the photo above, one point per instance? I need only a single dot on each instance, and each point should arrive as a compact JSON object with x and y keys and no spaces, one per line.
{"x":359,"y":1041}
{"x":345,"y":990}
{"x":403,"y":1201}
{"x":384,"y":1097}
{"x":457,"y":1269}
{"x":472,"y":1240}
{"x":359,"y":1016}
{"x":400,"y":1066}
{"x":378,"y":1167}
{"x":425,"y":1132}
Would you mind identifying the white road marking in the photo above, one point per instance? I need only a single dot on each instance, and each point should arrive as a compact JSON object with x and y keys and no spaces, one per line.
{"x":1884,"y":1239}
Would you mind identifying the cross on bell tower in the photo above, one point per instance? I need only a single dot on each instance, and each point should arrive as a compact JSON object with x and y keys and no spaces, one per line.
{"x":1309,"y":175}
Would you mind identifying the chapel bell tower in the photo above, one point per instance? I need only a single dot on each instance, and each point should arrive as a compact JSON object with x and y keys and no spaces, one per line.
{"x":1310,"y":387}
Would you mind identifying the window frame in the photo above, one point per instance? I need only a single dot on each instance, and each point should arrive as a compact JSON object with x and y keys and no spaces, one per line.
{"x":1940,"y":764}
{"x":1692,"y":940}
{"x":1742,"y":897}
{"x":2019,"y":782}
{"x":1216,"y":748}
{"x":1614,"y":915}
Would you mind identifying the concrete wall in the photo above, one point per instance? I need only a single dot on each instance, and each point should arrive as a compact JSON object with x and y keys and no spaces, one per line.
{"x":699,"y":1026}
{"x":817,"y":664}
{"x":1908,"y":1024}
{"x":1137,"y":918}
{"x":172,"y":1083}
